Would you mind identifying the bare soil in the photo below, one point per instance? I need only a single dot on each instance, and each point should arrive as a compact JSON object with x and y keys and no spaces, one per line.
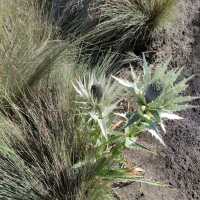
{"x":179,"y":163}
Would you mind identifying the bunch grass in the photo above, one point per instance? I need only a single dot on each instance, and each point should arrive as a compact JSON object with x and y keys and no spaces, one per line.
{"x":123,"y":25}
{"x":126,"y":26}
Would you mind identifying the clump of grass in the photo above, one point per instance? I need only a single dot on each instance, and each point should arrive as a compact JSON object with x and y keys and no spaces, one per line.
{"x":52,"y":147}
{"x":70,"y":17}
{"x":127,"y":25}
{"x":27,"y":51}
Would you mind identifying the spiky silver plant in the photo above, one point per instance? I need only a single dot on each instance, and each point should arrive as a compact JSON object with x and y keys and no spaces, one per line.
{"x":157,"y":94}
{"x":98,"y":96}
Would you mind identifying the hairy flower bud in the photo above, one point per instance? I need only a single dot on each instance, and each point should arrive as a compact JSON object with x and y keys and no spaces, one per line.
{"x":97,"y":92}
{"x":153,"y":91}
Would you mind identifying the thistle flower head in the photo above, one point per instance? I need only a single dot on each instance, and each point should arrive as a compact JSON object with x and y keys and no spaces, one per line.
{"x":97,"y":92}
{"x":98,"y":96}
{"x":153,"y":91}
{"x":95,"y":89}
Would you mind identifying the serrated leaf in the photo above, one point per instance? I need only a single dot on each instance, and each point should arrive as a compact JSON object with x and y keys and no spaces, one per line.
{"x":170,"y":116}
{"x":146,"y":71}
{"x":122,"y":174}
{"x":132,"y":119}
{"x":155,"y":133}
{"x":77,"y":90}
{"x":130,"y":142}
{"x":108,"y":109}
{"x":101,"y":123}
{"x":124,"y":82}
{"x":163,"y":127}
{"x":122,"y":115}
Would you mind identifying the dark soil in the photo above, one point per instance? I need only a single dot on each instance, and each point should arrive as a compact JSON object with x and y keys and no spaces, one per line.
{"x":179,"y":164}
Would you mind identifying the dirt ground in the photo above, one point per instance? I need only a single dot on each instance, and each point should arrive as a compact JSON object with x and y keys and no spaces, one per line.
{"x":179,"y":164}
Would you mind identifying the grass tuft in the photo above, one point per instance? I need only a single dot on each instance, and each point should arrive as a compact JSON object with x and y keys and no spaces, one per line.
{"x":125,"y":26}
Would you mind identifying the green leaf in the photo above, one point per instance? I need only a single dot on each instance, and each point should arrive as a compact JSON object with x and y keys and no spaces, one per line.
{"x":133,"y":118}
{"x":118,"y":174}
{"x":131,"y":143}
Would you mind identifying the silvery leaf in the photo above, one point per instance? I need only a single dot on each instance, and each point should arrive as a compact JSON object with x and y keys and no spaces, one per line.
{"x":156,"y":134}
{"x":170,"y":116}
{"x":124,"y":82}
{"x":163,"y":127}
{"x":77,"y":90}
{"x":101,"y":123}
